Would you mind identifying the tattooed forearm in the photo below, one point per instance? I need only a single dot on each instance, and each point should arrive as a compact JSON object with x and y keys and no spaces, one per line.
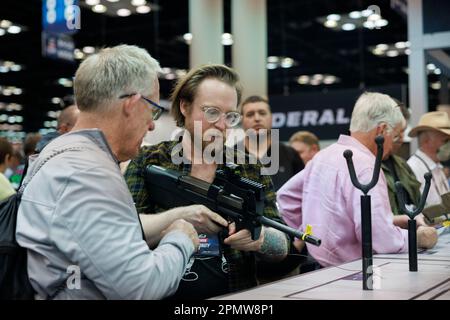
{"x":275,"y":246}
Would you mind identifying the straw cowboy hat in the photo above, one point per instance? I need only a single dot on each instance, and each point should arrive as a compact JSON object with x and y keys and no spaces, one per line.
{"x":436,"y":120}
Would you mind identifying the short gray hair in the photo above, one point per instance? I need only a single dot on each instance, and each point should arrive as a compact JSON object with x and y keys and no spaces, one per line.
{"x":373,"y":108}
{"x":103,"y":77}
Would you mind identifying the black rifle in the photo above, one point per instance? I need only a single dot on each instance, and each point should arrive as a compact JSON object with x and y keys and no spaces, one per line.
{"x":230,"y":195}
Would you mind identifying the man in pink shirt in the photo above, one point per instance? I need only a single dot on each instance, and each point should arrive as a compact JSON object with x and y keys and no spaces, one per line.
{"x":323,"y":195}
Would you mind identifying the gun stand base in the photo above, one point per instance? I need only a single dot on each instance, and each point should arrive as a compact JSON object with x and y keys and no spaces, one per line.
{"x":412,"y":245}
{"x":366,"y":229}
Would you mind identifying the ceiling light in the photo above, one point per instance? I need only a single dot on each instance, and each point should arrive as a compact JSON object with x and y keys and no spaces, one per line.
{"x":355,"y":15}
{"x":382,"y":46}
{"x":378,"y":52}
{"x":187,"y":38}
{"x":366,"y":13}
{"x":52,"y":114}
{"x":437,"y":71}
{"x":65,"y":82}
{"x":400,"y":45}
{"x":89,"y":49}
{"x":408,"y":51}
{"x":56,"y":100}
{"x":12,"y":107}
{"x":381,"y":23}
{"x":315,"y":82}
{"x":143,"y":9}
{"x":113,"y":0}
{"x":287,"y":62}
{"x":138,"y":3}
{"x":165,"y":70}
{"x":318,"y":77}
{"x":14,"y":29}
{"x":407,"y":43}
{"x":99,"y":8}
{"x":436,"y":85}
{"x":3,"y":69}
{"x":2,"y":32}
{"x":272,"y":59}
{"x":123,"y":12}
{"x":329,"y":79}
{"x":92,"y":2}
{"x":374,"y":17}
{"x":348,"y":26}
{"x":78,"y":54}
{"x":431,"y":66}
{"x":271,"y":66}
{"x":303,"y":79}
{"x":17,"y":91}
{"x":334,"y":17}
{"x":15,"y":67}
{"x":180,"y":73}
{"x":227,"y":39}
{"x":7,"y":92}
{"x":392,"y":53}
{"x":5,"y":24}
{"x":369,"y":24}
{"x":170,"y":76}
{"x":330,"y":23}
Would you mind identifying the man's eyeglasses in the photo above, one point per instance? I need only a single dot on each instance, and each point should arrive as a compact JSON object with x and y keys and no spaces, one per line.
{"x":398,"y":136}
{"x":157,"y":110}
{"x":213,"y":114}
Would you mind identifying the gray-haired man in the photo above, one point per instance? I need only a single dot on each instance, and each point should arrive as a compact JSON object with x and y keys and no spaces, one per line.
{"x":77,"y":218}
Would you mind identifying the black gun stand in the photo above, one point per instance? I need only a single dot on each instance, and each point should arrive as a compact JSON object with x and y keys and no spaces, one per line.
{"x":412,"y":229}
{"x":366,"y":214}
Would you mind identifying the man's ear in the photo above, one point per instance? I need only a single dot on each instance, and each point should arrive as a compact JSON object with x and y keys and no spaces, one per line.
{"x":129,"y":103}
{"x":8,"y":159}
{"x":381,"y":128}
{"x":63,"y":128}
{"x":184,"y":107}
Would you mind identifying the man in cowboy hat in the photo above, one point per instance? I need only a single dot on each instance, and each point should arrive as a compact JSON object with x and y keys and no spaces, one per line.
{"x":433,"y":131}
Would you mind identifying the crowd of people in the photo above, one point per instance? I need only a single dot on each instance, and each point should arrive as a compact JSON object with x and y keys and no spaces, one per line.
{"x":79,"y":211}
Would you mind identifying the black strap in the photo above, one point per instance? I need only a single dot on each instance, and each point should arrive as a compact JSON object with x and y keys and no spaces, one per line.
{"x":429,"y":170}
{"x":24,"y":173}
{"x":21,"y":190}
{"x":423,"y":161}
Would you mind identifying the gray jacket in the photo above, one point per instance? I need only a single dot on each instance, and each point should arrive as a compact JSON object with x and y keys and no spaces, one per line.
{"x":79,"y":223}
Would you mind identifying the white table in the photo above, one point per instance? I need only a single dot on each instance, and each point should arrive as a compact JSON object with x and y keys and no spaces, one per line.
{"x":392,"y":280}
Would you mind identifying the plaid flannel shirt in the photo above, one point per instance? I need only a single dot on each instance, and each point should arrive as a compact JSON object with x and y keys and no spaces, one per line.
{"x":242,"y":265}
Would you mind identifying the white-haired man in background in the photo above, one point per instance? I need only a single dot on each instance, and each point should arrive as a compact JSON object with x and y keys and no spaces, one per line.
{"x":433,"y":131}
{"x":323,"y":195}
{"x":77,"y":217}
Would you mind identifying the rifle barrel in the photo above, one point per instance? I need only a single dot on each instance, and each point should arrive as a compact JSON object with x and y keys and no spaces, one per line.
{"x":290,"y":231}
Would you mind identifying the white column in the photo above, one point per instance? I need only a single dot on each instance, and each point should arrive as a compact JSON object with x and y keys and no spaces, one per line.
{"x":206,"y":26}
{"x":249,"y":29}
{"x":418,"y":84}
